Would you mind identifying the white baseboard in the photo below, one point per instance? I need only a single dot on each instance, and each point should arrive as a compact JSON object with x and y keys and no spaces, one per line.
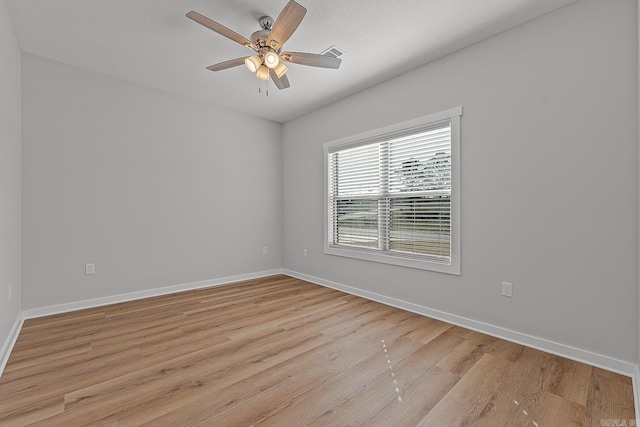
{"x":8,"y":344}
{"x":131,"y":296}
{"x":636,"y":393}
{"x":584,"y":356}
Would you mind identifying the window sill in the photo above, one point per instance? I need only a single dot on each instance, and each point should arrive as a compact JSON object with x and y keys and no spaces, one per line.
{"x":448,"y":268}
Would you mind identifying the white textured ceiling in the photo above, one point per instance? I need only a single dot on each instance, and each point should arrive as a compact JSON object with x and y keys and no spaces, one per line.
{"x":152,"y":43}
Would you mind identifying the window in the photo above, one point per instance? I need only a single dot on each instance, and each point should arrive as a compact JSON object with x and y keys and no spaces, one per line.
{"x":392,"y":195}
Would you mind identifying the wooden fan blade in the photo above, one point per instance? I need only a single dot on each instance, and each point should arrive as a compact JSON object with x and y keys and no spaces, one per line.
{"x":311,"y":59}
{"x":226,"y":64}
{"x":281,"y":82}
{"x":286,"y":23}
{"x":220,"y":29}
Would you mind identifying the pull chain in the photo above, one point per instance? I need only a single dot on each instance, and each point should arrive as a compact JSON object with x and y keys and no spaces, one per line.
{"x":266,"y":88}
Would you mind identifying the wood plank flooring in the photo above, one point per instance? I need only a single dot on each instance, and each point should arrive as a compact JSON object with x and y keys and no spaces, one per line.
{"x":279,"y":351}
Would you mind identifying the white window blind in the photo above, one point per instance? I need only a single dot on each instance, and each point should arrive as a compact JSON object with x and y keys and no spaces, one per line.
{"x":391,"y":194}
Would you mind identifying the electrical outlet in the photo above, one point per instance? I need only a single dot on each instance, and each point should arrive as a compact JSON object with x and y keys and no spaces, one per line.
{"x":507,"y":289}
{"x":89,"y":269}
{"x":10,"y":291}
{"x":265,"y":250}
{"x":305,"y":253}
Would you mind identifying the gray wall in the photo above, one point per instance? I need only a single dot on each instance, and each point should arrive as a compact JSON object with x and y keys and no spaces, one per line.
{"x":549,"y":179}
{"x":10,"y":175}
{"x":155,"y":189}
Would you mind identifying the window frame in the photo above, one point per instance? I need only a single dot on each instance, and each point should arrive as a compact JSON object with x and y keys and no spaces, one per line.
{"x":379,"y":135}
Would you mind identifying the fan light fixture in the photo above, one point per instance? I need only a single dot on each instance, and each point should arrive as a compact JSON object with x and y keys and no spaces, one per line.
{"x":280,"y":70}
{"x":263,"y":72}
{"x":253,"y":62}
{"x":271,"y":59}
{"x":261,"y":64}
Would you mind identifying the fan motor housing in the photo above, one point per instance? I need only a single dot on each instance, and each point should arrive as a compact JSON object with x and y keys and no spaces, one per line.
{"x":260,"y":37}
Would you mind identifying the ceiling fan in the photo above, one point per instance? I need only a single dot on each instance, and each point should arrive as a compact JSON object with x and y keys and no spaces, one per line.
{"x":267,"y":61}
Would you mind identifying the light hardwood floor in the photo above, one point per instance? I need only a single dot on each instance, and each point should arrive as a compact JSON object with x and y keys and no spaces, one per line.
{"x":283,"y":352}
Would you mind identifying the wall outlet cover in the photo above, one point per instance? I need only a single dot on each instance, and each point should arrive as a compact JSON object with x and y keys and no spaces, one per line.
{"x":507,"y":289}
{"x":89,"y":269}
